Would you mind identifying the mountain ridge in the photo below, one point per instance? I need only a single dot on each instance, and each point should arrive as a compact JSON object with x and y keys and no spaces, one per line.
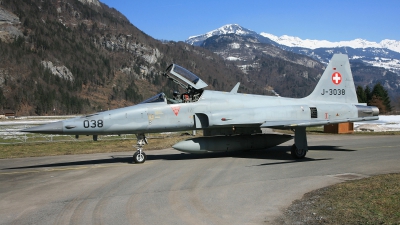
{"x":197,"y":40}
{"x":359,"y":49}
{"x":292,"y":41}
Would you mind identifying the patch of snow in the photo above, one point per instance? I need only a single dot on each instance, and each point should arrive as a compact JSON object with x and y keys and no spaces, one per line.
{"x":387,"y":64}
{"x":231,"y":58}
{"x":91,"y":2}
{"x":357,"y":57}
{"x":235,"y":45}
{"x":27,"y":122}
{"x":385,"y":123}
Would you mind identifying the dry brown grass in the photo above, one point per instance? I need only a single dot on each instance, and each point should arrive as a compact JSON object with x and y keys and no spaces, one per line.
{"x":83,"y":147}
{"x":374,"y":200}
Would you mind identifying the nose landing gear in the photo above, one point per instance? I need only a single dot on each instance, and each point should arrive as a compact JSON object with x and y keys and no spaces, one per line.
{"x":140,"y":156}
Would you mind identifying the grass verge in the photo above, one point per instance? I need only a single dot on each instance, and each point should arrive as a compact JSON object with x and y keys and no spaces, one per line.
{"x":83,"y":147}
{"x":374,"y":200}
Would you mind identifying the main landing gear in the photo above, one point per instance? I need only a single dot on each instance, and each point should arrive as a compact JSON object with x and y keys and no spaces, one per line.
{"x":140,"y":156}
{"x":300,"y":147}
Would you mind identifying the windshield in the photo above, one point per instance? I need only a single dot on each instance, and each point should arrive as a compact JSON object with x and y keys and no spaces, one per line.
{"x":156,"y":98}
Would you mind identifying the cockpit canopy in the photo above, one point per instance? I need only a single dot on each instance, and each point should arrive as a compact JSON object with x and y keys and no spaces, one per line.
{"x":192,"y":84}
{"x":178,"y":73}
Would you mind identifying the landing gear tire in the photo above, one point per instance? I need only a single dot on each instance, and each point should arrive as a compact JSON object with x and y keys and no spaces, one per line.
{"x":139,"y":157}
{"x":298,"y":153}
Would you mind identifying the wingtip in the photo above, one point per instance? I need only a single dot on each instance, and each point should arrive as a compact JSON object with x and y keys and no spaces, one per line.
{"x":236,"y":88}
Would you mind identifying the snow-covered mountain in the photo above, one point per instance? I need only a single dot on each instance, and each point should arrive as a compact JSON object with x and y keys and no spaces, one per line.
{"x":291,"y":41}
{"x":227,"y":29}
{"x":385,"y":54}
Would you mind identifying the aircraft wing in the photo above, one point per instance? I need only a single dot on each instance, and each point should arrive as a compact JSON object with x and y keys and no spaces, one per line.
{"x":310,"y":123}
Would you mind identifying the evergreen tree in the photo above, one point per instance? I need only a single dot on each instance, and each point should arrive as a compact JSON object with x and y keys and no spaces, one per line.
{"x":131,"y":93}
{"x":361,"y":95}
{"x":368,"y":93}
{"x":378,"y":97}
{"x":2,"y":99}
{"x":380,"y":92}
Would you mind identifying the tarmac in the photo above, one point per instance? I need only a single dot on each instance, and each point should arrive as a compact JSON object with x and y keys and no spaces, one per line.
{"x":176,"y":188}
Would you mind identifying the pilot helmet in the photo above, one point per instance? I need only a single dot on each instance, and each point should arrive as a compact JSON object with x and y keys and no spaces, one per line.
{"x":176,"y":93}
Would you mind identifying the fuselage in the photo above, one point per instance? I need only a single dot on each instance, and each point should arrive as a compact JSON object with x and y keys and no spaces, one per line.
{"x":214,"y":109}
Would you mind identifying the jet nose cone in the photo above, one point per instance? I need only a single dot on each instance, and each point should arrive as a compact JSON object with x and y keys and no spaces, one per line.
{"x":50,"y":128}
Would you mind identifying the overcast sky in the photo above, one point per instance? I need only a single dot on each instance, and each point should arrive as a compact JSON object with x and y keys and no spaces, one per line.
{"x":333,"y":20}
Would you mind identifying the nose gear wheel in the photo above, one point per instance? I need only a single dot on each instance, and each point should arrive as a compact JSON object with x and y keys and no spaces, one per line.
{"x":140,"y":156}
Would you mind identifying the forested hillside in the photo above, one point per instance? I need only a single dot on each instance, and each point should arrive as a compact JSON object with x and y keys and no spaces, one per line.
{"x":70,"y":56}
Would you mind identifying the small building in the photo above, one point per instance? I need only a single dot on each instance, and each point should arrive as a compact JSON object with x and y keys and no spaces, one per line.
{"x":340,"y":128}
{"x":6,"y":113}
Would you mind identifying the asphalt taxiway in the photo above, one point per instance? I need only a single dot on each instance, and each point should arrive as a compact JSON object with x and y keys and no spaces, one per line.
{"x":175,"y":188}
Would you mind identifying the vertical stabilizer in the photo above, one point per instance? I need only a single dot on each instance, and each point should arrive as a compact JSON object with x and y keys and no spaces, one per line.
{"x":235,"y":89}
{"x":336,"y":83}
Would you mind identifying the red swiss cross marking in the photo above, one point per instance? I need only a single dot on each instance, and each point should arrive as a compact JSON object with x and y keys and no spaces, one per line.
{"x":336,"y":78}
{"x":176,"y":109}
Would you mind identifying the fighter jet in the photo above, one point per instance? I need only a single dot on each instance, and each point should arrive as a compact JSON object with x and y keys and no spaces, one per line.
{"x":230,"y":121}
